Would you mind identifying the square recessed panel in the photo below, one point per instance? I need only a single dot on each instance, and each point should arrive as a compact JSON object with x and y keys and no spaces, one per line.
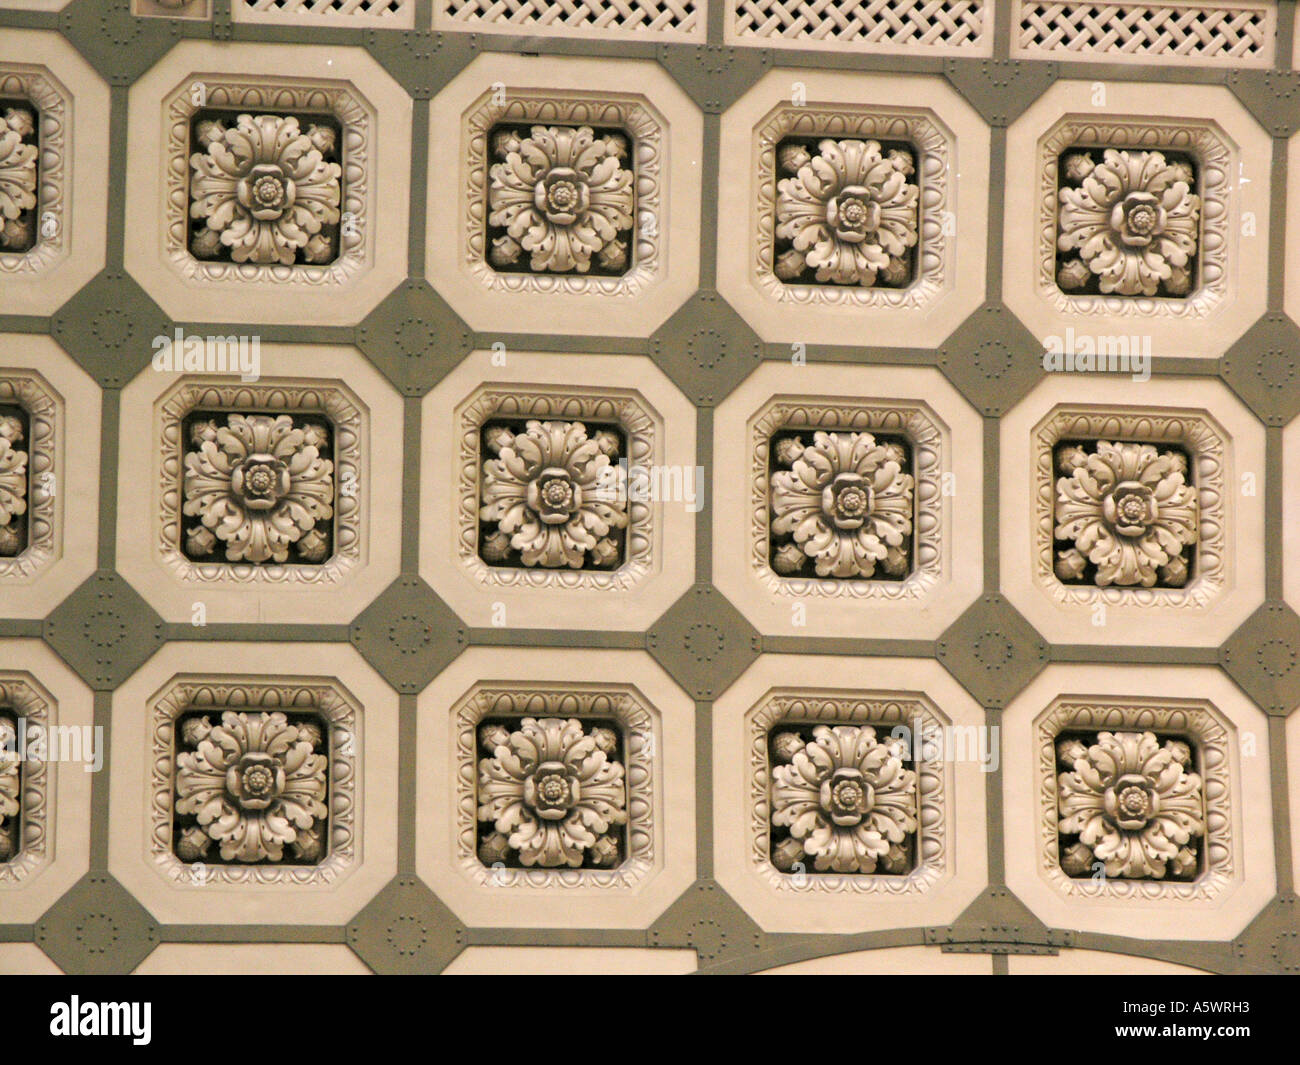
{"x":262,"y":189}
{"x":1143,"y":507}
{"x":262,"y":778}
{"x":1137,"y":793}
{"x":856,"y":210}
{"x":1135,"y":220}
{"x":53,"y":171}
{"x":565,"y":492}
{"x":575,"y":196}
{"x":839,"y":506}
{"x":269,"y":497}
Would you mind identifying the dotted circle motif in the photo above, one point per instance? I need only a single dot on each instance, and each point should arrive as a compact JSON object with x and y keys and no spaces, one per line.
{"x":704,"y":642}
{"x":706,"y":348}
{"x":993,"y":650}
{"x":407,"y":935}
{"x":993,"y":359}
{"x":97,"y":932}
{"x":112,"y":328}
{"x":1276,"y":657}
{"x":715,"y":60}
{"x":708,"y":938}
{"x":119,"y":28}
{"x":410,"y":634}
{"x":413,"y":338}
{"x":104,"y":629}
{"x":1286,"y":951}
{"x":1276,"y":368}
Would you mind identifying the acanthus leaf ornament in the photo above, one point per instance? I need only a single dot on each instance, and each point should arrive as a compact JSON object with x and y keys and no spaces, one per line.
{"x":846,"y":798}
{"x":554,"y":793}
{"x":254,"y":784}
{"x":264,"y":190}
{"x":1134,"y":804}
{"x":13,"y":484}
{"x":19,"y":158}
{"x":259,"y":486}
{"x":563,"y":195}
{"x":1134,"y":220}
{"x":845,"y":502}
{"x":849,"y":215}
{"x":10,"y":790}
{"x":553,"y":493}
{"x":1126,"y":509}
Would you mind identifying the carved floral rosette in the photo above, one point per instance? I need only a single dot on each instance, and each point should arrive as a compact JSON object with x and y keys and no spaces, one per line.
{"x":611,"y":406}
{"x":1174,"y":719}
{"x":356,"y":119}
{"x":26,"y":701}
{"x":913,"y":421}
{"x":646,"y":134}
{"x":883,"y":711}
{"x":1214,"y":179}
{"x":932,"y":149}
{"x":332,"y":402}
{"x":1203,"y":441}
{"x":50,"y":101}
{"x":581,"y":701}
{"x":21,"y":388}
{"x":213,"y":695}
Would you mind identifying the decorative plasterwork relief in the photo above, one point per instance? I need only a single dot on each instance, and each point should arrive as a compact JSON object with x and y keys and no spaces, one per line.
{"x":265,"y":189}
{"x":894,"y":840}
{"x":1099,"y":214}
{"x":11,"y":789}
{"x":13,"y":481}
{"x":1131,"y":804}
{"x":550,"y":498}
{"x":584,"y":751}
{"x":900,"y":284}
{"x":1134,"y":219}
{"x":847,"y":211}
{"x":18,"y":181}
{"x":34,"y":128}
{"x":609,"y":709}
{"x":1090,"y":507}
{"x":238,"y":791}
{"x":218,"y":522}
{"x":909,"y":507}
{"x":565,"y":196}
{"x":251,"y":787}
{"x":604,"y":214}
{"x":259,"y":487}
{"x":1100,"y":763}
{"x":802,"y":204}
{"x":1125,"y":509}
{"x":846,"y":504}
{"x":216,"y":176}
{"x":28,"y":535}
{"x":551,"y":793}
{"x":568,"y":445}
{"x":26,"y":785}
